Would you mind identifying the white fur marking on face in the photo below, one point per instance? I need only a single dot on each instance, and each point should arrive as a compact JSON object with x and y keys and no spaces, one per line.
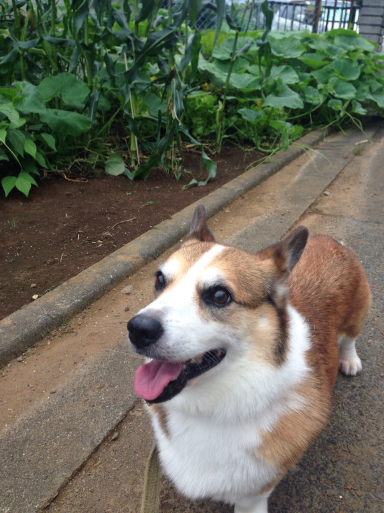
{"x":170,"y":268}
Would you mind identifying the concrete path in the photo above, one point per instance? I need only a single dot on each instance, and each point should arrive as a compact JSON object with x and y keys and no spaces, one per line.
{"x":51,"y":431}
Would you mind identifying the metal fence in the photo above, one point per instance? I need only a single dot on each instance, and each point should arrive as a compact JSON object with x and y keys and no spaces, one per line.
{"x":296,"y":15}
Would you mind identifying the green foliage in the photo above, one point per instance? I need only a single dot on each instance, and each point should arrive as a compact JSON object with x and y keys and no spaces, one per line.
{"x":72,"y":75}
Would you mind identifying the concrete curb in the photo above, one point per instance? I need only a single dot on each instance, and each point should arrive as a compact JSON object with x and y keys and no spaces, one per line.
{"x":26,"y":326}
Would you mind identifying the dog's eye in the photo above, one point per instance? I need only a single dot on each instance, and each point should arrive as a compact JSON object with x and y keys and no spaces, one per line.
{"x":160,"y":281}
{"x":221,"y":297}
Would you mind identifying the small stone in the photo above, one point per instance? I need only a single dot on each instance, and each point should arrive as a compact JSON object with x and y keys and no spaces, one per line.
{"x":127,"y":290}
{"x":35,"y":296}
{"x":115,"y":436}
{"x":3,"y":374}
{"x":117,"y":315}
{"x":326,"y":193}
{"x":126,"y":309}
{"x":53,"y":391}
{"x":20,"y":359}
{"x":106,"y":234}
{"x":33,"y":285}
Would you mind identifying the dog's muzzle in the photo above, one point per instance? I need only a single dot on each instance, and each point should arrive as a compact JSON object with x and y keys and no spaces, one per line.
{"x":144,"y":330}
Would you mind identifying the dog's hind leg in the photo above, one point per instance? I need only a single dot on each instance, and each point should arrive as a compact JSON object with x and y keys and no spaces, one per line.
{"x":349,"y":361}
{"x":253,"y":503}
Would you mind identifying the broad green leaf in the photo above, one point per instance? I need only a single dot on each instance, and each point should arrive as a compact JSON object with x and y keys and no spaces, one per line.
{"x":350,"y":42}
{"x":30,"y":147}
{"x":348,"y":69}
{"x":314,"y":60}
{"x":378,"y":98}
{"x":342,"y":89}
{"x":323,"y":75}
{"x":16,"y":139}
{"x":311,"y":95}
{"x":358,"y":108}
{"x":239,"y":65}
{"x":30,"y":101}
{"x":66,"y":123}
{"x":286,"y":73}
{"x":362,"y":91}
{"x":66,"y":86}
{"x":114,"y":165}
{"x":252,"y":116}
{"x":154,"y":104}
{"x":287,"y":47}
{"x":335,"y":104}
{"x":8,"y":184}
{"x":49,"y":140}
{"x":245,"y":81}
{"x":224,"y":50}
{"x":9,"y":110}
{"x":285,"y":98}
{"x":24,"y":183}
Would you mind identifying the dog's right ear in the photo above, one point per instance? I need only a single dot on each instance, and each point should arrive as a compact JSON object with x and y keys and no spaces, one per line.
{"x":199,"y":228}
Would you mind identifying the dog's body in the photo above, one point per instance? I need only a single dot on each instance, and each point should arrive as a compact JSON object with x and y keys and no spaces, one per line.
{"x":260,"y":339}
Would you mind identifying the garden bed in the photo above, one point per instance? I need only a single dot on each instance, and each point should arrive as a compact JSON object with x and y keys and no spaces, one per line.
{"x":65,"y":227}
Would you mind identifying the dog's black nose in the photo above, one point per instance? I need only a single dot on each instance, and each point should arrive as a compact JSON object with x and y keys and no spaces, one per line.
{"x":144,"y":330}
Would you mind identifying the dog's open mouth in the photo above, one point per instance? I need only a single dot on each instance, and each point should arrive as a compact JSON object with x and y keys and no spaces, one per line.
{"x":159,"y":381}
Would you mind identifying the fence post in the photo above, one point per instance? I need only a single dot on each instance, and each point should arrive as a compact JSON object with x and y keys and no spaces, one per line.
{"x":316,"y":16}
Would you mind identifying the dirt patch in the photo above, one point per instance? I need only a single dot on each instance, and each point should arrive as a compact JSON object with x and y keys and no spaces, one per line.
{"x":64,"y":227}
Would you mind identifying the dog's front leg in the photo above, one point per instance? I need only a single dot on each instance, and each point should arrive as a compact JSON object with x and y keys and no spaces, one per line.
{"x":253,"y":503}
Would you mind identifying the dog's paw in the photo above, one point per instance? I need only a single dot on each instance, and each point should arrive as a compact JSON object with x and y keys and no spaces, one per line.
{"x":351,"y":367}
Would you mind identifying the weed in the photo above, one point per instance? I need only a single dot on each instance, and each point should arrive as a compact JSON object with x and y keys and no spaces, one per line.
{"x":358,"y":150}
{"x":15,"y":221}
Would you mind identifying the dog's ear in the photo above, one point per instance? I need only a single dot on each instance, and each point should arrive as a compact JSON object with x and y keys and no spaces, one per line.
{"x":289,"y":251}
{"x":284,"y":256}
{"x":199,"y":228}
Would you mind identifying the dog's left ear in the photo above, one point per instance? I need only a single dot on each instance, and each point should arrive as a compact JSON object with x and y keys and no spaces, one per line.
{"x":289,"y":251}
{"x":199,"y":228}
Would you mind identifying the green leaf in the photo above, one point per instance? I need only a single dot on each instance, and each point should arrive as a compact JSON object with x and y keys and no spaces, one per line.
{"x":335,"y":105}
{"x":351,"y":42}
{"x":342,"y":89}
{"x":358,"y":108}
{"x":30,"y":101}
{"x":348,"y":69}
{"x":16,"y":138}
{"x":311,"y":95}
{"x":8,"y":184}
{"x":286,"y":73}
{"x":9,"y":110}
{"x":30,"y":147}
{"x":66,"y":86}
{"x":49,"y":140}
{"x":252,"y":116}
{"x":378,"y":98}
{"x":40,"y":159}
{"x":314,"y":60}
{"x":224,"y":50}
{"x":285,"y":98}
{"x":245,"y":81}
{"x":114,"y":165}
{"x":323,"y":75}
{"x":287,"y":47}
{"x":66,"y":123}
{"x":24,"y":183}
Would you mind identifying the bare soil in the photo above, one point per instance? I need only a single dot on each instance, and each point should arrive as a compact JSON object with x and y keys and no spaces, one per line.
{"x":65,"y":226}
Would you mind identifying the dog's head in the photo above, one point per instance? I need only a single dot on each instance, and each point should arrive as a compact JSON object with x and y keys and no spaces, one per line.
{"x":217,"y":307}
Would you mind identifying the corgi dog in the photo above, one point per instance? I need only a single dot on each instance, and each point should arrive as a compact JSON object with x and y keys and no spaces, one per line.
{"x":242,"y":356}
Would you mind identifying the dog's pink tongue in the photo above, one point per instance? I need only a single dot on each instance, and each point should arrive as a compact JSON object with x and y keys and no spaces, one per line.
{"x":153,"y":377}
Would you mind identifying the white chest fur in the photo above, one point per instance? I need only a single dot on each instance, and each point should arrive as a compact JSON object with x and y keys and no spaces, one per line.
{"x":209,"y":448}
{"x":216,"y":460}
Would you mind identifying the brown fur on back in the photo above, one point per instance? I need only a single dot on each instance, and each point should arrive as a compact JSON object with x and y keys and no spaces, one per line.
{"x":329,"y":288}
